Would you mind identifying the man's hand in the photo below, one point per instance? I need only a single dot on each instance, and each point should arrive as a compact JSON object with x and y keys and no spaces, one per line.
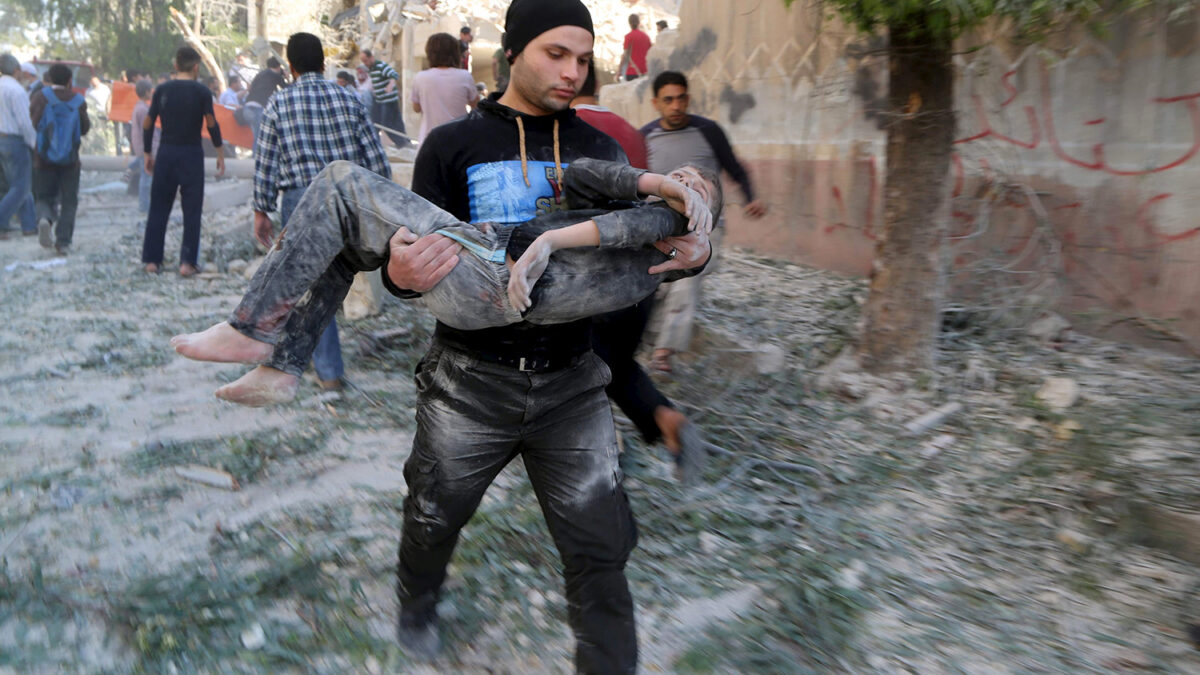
{"x":220,"y":165}
{"x":419,"y":263}
{"x":756,"y":209}
{"x":264,"y":229}
{"x":149,"y":164}
{"x":691,"y":251}
{"x":391,"y":86}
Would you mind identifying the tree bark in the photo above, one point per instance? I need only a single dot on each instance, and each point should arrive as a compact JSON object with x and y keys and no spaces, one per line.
{"x":194,"y":40}
{"x":902,"y":313}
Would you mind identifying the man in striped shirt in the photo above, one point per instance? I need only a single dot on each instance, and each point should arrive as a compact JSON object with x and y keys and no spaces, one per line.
{"x":385,"y":110}
{"x":305,"y":127}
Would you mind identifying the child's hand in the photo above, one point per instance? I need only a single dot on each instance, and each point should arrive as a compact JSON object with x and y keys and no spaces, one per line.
{"x":688,"y":202}
{"x":526,"y":272}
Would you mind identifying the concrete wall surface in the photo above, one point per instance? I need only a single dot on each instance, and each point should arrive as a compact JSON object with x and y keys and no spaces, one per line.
{"x":1075,"y":160}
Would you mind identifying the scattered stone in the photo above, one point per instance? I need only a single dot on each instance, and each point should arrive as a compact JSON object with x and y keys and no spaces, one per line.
{"x":710,"y":543}
{"x":1074,"y":540}
{"x":237,"y":267}
{"x":1059,"y":393}
{"x":207,"y":476}
{"x":770,"y":359}
{"x":936,"y":446}
{"x":254,"y":637}
{"x":1049,"y":328}
{"x":933,"y":418}
{"x":1064,"y":430}
{"x":851,"y":576}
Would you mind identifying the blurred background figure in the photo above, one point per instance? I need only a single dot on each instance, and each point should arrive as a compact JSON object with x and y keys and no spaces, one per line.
{"x":443,"y":91}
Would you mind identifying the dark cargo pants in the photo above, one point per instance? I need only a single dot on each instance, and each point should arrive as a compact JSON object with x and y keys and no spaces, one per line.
{"x":473,"y":417}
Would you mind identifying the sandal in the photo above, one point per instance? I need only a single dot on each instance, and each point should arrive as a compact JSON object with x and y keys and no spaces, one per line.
{"x":188,"y":270}
{"x":150,"y":268}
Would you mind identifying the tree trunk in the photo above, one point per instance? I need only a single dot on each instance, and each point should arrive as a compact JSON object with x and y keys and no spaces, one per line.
{"x":194,"y":40}
{"x":902,"y":313}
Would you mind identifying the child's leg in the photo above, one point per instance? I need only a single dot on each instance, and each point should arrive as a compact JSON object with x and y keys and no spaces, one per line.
{"x":341,"y":225}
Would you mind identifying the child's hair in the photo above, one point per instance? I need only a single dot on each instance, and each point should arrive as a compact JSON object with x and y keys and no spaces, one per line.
{"x":716,"y":195}
{"x":143,"y":89}
{"x":186,"y":58}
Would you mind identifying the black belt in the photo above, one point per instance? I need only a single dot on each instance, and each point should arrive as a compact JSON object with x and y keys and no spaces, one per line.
{"x":525,"y":364}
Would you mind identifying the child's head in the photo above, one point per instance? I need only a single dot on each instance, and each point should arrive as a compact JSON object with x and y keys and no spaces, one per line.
{"x":143,"y":88}
{"x":707,"y":183}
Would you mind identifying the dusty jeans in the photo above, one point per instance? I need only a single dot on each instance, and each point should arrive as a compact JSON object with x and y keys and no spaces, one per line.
{"x":344,"y":222}
{"x":473,"y":417}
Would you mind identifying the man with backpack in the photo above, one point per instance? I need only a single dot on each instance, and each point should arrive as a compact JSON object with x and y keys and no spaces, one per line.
{"x":60,"y":117}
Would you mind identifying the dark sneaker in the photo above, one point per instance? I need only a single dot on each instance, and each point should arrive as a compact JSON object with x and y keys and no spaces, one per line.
{"x":45,"y":233}
{"x":331,"y":385}
{"x":692,"y":457}
{"x":417,"y":633}
{"x":62,"y":249}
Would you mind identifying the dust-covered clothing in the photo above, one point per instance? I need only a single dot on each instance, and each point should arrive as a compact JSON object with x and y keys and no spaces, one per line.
{"x":345,"y":220}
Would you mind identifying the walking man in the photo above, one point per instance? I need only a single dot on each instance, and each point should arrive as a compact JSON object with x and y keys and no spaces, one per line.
{"x":184,"y":105}
{"x":61,"y":119}
{"x":486,"y":396}
{"x":17,"y":140}
{"x":385,"y":101}
{"x":304,"y":128}
{"x":262,"y":87}
{"x":674,"y":139}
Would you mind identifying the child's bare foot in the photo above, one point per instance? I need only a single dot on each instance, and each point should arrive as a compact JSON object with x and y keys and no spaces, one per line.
{"x":223,"y":344}
{"x":260,"y":387}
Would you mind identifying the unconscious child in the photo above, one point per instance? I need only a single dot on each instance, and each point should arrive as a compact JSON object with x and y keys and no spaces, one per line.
{"x":558,"y":267}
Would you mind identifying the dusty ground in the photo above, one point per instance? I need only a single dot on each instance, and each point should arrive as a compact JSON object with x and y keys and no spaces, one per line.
{"x":1005,"y":540}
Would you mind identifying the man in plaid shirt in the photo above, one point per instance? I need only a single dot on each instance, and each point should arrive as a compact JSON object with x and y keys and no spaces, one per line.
{"x":304,"y":128}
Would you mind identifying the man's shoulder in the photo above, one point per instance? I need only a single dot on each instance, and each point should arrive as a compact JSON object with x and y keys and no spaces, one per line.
{"x":650,"y":128}
{"x":702,"y":122}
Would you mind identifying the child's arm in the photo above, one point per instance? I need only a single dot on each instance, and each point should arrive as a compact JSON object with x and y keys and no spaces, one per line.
{"x":593,"y":183}
{"x":526,"y":271}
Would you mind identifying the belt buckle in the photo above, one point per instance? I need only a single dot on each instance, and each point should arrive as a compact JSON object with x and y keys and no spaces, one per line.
{"x":521,"y":366}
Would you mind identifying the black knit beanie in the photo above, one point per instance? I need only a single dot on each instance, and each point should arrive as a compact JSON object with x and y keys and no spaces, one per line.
{"x":528,"y":19}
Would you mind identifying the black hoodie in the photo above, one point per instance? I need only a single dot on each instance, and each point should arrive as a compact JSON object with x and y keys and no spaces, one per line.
{"x":498,"y":165}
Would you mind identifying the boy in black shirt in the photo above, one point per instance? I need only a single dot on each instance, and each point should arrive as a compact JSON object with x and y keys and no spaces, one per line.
{"x":184,"y":105}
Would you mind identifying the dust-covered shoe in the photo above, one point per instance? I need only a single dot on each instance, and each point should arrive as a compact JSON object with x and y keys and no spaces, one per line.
{"x":417,"y":633}
{"x":46,"y":233}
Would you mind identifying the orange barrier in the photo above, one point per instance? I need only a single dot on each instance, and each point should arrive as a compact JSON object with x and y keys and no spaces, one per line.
{"x":124,"y":98}
{"x":231,"y":132}
{"x":121,"y":104}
